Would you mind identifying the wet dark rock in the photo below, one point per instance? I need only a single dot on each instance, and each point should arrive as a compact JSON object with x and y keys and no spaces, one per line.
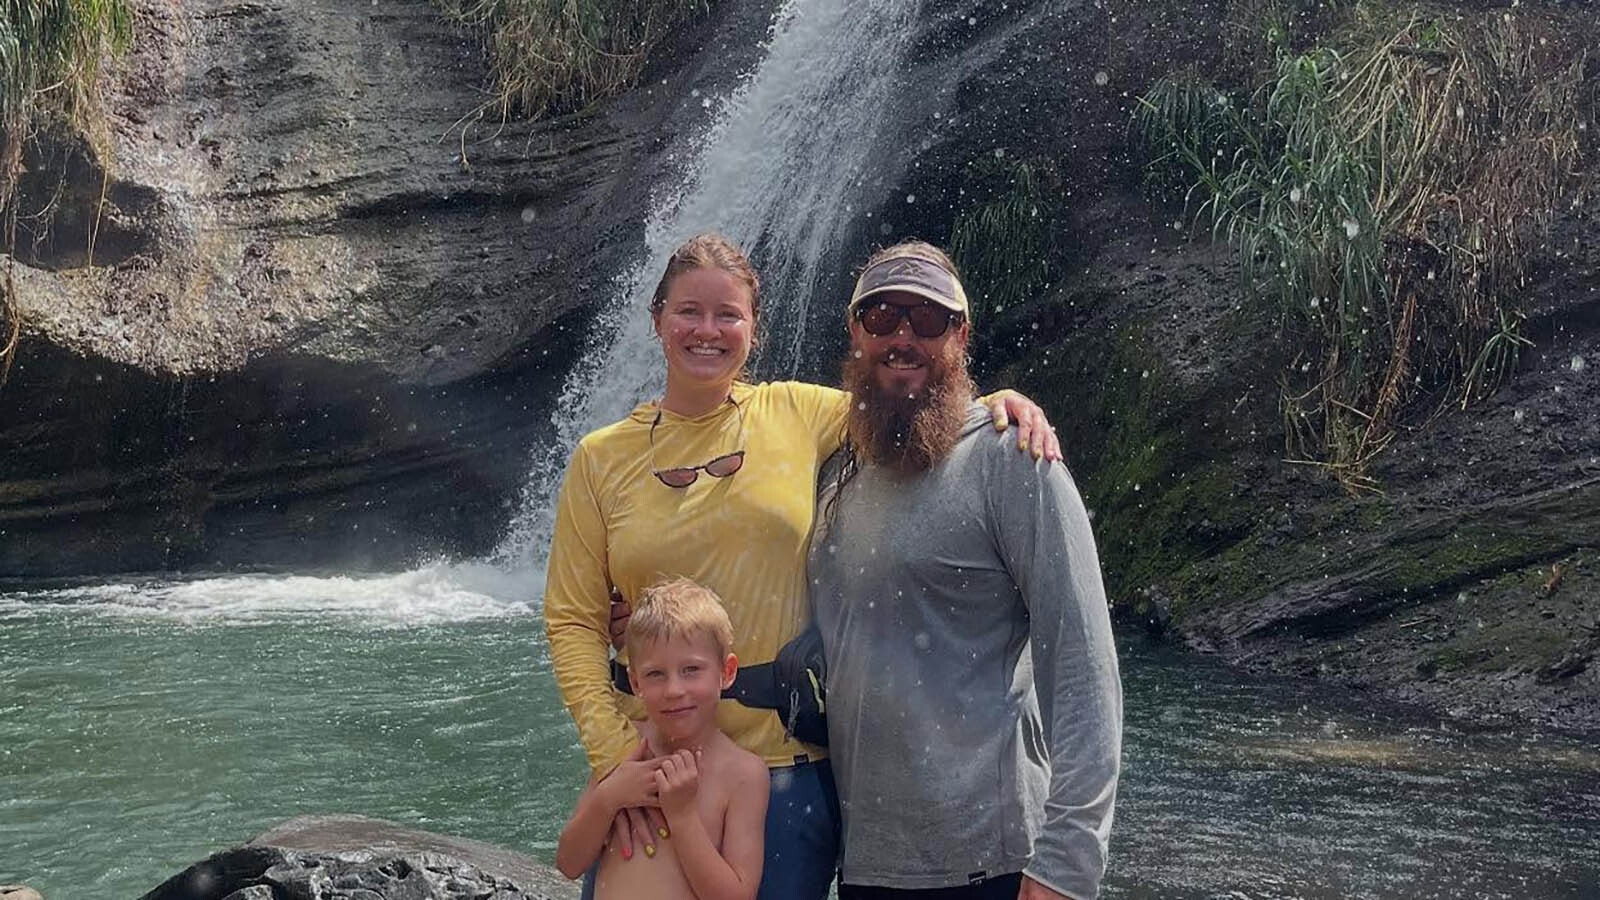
{"x":341,"y":857}
{"x":321,"y":287}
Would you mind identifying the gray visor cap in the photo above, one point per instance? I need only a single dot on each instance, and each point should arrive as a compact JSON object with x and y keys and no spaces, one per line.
{"x":914,"y":275}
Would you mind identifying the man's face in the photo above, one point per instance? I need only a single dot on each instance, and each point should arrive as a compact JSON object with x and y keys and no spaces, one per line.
{"x":901,"y":363}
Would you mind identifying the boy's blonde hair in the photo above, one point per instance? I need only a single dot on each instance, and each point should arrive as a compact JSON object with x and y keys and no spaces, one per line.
{"x":678,"y":608}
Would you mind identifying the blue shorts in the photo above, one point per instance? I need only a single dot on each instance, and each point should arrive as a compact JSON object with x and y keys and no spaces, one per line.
{"x":802,"y":835}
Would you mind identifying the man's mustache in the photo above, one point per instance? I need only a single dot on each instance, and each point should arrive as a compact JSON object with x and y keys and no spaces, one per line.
{"x":905,"y":354}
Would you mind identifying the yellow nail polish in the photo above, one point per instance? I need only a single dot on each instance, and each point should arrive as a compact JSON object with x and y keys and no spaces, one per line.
{"x":650,"y":850}
{"x":663,"y":832}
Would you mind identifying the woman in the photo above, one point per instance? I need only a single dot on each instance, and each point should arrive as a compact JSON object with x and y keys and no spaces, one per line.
{"x":716,"y":482}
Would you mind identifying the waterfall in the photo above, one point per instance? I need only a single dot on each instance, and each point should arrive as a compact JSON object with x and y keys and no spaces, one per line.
{"x":778,"y":173}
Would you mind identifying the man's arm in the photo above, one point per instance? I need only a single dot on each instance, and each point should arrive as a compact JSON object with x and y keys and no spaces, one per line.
{"x":734,"y":873}
{"x":1045,"y":538}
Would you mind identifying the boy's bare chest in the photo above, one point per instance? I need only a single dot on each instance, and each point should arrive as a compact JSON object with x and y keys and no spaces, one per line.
{"x":661,"y":876}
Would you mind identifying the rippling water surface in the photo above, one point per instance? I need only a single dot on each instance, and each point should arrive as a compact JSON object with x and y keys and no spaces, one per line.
{"x":147,"y":724}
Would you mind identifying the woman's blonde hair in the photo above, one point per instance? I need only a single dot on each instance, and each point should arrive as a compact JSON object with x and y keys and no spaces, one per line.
{"x":678,"y":608}
{"x":709,"y":250}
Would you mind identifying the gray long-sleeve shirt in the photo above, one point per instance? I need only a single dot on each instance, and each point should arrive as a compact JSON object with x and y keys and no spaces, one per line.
{"x":928,"y":588}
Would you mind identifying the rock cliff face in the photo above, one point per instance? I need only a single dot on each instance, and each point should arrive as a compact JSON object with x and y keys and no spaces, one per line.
{"x":1469,"y":585}
{"x":324,"y":324}
{"x":306,"y":305}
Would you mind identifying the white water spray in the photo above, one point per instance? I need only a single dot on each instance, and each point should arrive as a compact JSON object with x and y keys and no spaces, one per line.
{"x":778,"y":174}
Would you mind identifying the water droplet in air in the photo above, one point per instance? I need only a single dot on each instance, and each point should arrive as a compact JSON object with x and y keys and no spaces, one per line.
{"x":971,"y":20}
{"x":705,"y":102}
{"x":1102,"y":79}
{"x":922,"y":641}
{"x":999,"y":153}
{"x":1352,"y":228}
{"x":1578,"y":364}
{"x":1518,"y":416}
{"x":911,"y":198}
{"x":1295,"y":195}
{"x":528,"y":215}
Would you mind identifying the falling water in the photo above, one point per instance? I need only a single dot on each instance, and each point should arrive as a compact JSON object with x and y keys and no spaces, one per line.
{"x":777,"y":173}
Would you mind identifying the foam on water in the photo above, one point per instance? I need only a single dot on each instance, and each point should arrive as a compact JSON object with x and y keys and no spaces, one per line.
{"x":434,"y":594}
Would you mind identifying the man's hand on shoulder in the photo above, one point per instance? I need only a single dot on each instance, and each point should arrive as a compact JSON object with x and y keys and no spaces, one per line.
{"x":1033,"y":890}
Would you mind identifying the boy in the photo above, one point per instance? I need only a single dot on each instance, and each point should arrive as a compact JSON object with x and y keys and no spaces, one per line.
{"x":712,"y":793}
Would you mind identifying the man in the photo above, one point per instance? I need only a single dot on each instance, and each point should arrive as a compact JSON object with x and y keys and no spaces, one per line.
{"x":966,"y":767}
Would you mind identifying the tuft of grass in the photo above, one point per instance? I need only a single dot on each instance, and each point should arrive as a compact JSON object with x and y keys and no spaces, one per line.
{"x":51,"y":52}
{"x":1384,"y":188}
{"x":553,"y":56}
{"x":1001,"y":239}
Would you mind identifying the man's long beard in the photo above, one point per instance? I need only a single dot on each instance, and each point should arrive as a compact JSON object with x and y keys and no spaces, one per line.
{"x":908,"y":433}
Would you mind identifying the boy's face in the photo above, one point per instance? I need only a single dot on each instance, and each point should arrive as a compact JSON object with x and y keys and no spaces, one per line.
{"x":680,"y":680}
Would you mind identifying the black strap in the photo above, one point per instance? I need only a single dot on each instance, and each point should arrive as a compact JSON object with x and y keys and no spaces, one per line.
{"x":755,"y":686}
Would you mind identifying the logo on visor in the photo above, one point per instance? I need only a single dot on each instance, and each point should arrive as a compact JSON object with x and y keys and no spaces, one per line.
{"x":905,"y":267}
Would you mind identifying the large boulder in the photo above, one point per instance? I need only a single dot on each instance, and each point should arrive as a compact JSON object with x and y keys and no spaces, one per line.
{"x":343,"y":857}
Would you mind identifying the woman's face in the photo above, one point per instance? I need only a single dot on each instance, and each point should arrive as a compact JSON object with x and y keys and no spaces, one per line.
{"x":705,"y":326}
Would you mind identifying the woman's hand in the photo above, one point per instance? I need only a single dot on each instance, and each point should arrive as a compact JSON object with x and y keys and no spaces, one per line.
{"x":1034,"y":433}
{"x":620,"y":613}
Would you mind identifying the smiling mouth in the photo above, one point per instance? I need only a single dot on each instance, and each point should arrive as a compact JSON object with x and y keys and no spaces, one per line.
{"x":706,"y":351}
{"x":680,"y":711}
{"x":901,"y":362}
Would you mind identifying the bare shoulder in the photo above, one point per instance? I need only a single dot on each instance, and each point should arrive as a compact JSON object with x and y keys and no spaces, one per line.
{"x":738,"y":768}
{"x":750,"y":769}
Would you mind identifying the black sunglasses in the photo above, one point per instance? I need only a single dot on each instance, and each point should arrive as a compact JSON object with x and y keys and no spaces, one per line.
{"x":928,"y":320}
{"x":718,"y":467}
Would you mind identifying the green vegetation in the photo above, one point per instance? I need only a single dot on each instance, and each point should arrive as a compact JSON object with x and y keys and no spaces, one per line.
{"x":50,"y":57}
{"x":1001,"y":239}
{"x":1161,"y":495}
{"x":561,"y":55}
{"x":1383,"y":188}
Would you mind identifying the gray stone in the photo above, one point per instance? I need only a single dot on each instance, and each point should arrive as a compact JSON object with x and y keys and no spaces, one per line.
{"x":358,"y":858}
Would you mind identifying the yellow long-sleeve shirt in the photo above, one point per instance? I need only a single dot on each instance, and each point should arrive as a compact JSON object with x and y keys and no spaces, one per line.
{"x":744,"y":537}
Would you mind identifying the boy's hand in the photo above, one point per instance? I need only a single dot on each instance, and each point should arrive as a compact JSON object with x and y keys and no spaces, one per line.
{"x":677,"y":783}
{"x":637,"y":826}
{"x":631,"y":784}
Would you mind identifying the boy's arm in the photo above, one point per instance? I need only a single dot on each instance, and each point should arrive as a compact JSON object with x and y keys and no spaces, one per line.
{"x":631,"y":784}
{"x":735,"y":872}
{"x":585,"y":834}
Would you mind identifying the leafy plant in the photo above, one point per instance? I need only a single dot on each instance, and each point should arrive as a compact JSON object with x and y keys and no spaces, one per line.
{"x":50,"y":57}
{"x":1001,"y":240}
{"x":562,"y":55}
{"x":1382,"y":189}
